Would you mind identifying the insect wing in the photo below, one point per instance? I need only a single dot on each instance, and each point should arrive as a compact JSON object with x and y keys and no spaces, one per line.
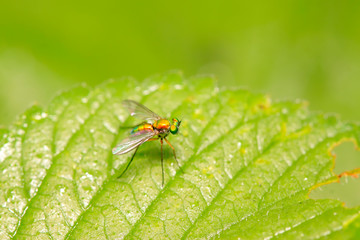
{"x":132,"y":142}
{"x":140,"y":111}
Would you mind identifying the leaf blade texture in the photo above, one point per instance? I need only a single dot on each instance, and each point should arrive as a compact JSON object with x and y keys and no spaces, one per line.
{"x":249,"y":164}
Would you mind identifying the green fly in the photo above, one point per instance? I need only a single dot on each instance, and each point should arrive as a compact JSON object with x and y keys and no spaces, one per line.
{"x":153,"y":128}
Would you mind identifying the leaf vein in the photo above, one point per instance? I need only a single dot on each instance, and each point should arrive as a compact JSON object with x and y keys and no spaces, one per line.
{"x":55,"y":159}
{"x":279,"y":200}
{"x":204,"y":211}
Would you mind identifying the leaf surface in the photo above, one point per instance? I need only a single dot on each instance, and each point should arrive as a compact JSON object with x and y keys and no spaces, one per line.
{"x":248,"y":166}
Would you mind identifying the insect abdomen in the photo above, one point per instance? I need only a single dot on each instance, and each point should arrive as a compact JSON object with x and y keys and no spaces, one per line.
{"x":141,"y":127}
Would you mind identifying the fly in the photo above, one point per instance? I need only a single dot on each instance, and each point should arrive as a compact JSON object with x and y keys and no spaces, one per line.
{"x":153,"y":128}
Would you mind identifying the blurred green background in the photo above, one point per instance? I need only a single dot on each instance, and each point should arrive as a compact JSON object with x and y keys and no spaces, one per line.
{"x":289,"y":49}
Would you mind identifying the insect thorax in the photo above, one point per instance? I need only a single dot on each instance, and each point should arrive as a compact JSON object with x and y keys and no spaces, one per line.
{"x":162,"y":124}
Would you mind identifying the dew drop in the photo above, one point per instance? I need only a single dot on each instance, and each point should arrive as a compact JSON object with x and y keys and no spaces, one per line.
{"x":95,"y":105}
{"x":80,"y":119}
{"x":38,"y":117}
{"x":109,"y":127}
{"x":20,"y":132}
{"x":285,"y":111}
{"x":178,"y":87}
{"x":150,"y":90}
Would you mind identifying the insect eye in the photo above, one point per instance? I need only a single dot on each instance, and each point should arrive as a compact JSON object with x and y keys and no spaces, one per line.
{"x":173,"y":129}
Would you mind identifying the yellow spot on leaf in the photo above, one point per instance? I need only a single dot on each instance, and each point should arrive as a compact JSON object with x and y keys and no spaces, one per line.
{"x":242,"y":150}
{"x":283,"y":130}
{"x":185,"y":133}
{"x":208,"y":171}
{"x":198,"y":114}
{"x":262,"y":161}
{"x":303,"y":131}
{"x":190,"y":99}
{"x":244,"y":130}
{"x":163,"y":87}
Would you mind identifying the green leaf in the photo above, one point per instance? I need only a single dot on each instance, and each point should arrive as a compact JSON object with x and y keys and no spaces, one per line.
{"x":248,"y":166}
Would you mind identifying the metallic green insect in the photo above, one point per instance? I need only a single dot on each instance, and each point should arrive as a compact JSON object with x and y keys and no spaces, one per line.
{"x":153,"y":128}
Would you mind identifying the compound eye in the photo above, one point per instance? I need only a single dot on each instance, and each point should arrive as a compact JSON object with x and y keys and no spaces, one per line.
{"x":173,"y":129}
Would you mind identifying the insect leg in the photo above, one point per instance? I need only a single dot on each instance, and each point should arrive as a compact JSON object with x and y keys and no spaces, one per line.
{"x":132,"y":158}
{"x":162,"y":161}
{"x":152,"y":139}
{"x":174,"y":154}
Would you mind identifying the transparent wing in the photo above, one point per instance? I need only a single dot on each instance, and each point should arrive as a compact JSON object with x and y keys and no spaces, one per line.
{"x":132,"y":142}
{"x":140,"y":111}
